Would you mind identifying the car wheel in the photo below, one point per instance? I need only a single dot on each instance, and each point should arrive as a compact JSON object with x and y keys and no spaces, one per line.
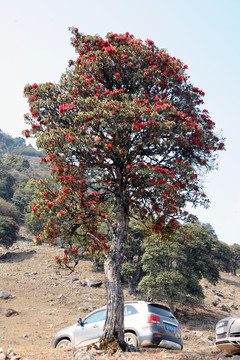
{"x":131,"y":339}
{"x":64,"y":344}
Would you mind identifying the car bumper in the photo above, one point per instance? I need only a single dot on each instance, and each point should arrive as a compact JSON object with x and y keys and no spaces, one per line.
{"x":162,"y":341}
{"x":229,"y":346}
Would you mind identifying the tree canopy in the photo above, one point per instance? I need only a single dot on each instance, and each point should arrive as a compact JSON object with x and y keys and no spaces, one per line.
{"x":125,"y":135}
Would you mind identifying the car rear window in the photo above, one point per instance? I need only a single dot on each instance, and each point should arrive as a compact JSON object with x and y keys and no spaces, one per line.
{"x":160,"y":310}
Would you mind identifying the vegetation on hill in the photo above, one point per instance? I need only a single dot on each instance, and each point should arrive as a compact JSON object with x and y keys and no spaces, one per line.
{"x":17,"y":184}
{"x":15,"y":146}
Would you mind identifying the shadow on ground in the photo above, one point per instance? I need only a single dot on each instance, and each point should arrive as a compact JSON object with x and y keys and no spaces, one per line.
{"x":231,"y":282}
{"x":16,"y":257}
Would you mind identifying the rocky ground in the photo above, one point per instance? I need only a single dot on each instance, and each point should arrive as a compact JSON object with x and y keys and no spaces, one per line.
{"x":43,"y":300}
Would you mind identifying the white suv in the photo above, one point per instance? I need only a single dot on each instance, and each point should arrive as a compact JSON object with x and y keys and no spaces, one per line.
{"x":145,"y":324}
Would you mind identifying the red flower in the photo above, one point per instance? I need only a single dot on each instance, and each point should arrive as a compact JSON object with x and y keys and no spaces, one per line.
{"x":109,"y":146}
{"x":149,"y":42}
{"x":117,"y":74}
{"x":61,"y":212}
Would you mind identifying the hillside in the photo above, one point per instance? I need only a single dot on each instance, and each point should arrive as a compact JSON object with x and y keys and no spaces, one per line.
{"x":16,"y":146}
{"x":46,"y":300}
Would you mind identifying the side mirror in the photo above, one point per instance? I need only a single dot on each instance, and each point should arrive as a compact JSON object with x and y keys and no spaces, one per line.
{"x":80,"y":322}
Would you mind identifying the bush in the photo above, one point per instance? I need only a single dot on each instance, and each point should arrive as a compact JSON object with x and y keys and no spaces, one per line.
{"x":7,"y":182}
{"x":21,"y":198}
{"x":8,"y":231}
{"x":34,"y":227}
{"x":10,"y":210}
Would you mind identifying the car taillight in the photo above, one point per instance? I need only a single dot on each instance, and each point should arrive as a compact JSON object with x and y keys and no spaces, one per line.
{"x":153,"y":319}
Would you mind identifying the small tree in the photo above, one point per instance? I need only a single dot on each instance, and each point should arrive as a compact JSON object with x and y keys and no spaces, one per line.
{"x":124,"y":135}
{"x":9,"y":210}
{"x":8,"y":231}
{"x":174,"y":268}
{"x":7,"y":182}
{"x":235,"y":258}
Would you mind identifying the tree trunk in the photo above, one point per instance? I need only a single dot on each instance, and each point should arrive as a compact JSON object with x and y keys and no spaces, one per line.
{"x":114,"y":325}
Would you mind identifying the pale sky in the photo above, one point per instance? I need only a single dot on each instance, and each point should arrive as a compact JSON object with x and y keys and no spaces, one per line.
{"x":205,"y":35}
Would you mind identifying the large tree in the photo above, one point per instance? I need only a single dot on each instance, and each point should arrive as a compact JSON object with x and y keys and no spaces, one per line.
{"x":124,"y":134}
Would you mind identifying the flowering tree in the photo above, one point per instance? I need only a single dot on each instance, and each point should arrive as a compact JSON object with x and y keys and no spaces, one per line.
{"x":125,"y":136}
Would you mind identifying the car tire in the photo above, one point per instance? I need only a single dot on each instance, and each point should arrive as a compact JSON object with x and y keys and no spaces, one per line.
{"x":64,"y":344}
{"x":131,"y":339}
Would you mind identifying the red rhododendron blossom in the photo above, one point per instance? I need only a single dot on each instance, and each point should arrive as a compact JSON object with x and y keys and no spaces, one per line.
{"x":156,"y":227}
{"x":34,"y":86}
{"x":66,"y":107}
{"x":149,"y":42}
{"x":26,"y":133}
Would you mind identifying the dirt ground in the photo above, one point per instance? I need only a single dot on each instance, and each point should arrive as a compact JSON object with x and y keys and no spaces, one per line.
{"x":46,"y":300}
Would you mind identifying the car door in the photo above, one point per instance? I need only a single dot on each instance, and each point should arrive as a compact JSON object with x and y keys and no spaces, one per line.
{"x":91,"y":329}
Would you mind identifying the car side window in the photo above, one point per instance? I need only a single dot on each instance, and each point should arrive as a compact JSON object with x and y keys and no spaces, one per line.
{"x":129,"y":310}
{"x":98,"y":316}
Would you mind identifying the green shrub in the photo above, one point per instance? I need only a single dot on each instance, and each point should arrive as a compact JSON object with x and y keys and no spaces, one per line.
{"x":8,"y":231}
{"x":34,"y":227}
{"x":8,"y":209}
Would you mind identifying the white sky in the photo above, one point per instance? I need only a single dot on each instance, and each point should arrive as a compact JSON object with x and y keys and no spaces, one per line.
{"x":205,"y":35}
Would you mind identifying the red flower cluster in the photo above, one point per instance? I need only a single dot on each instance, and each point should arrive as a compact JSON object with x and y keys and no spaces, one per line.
{"x":138,"y":126}
{"x":34,"y":208}
{"x":66,"y":107}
